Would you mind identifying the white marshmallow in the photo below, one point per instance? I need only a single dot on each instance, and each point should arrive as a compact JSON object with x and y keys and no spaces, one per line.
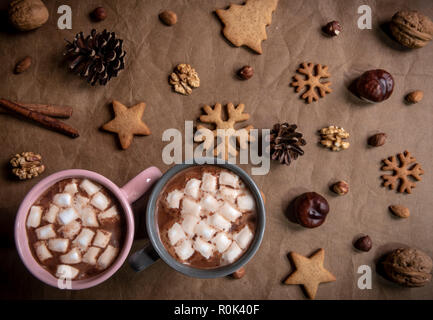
{"x":229,"y":179}
{"x":209,"y":203}
{"x":176,"y":233}
{"x":67,"y":216}
{"x":228,"y":194}
{"x":184,"y":249}
{"x":45,"y":232}
{"x":219,"y":222}
{"x":246,"y":202}
{"x":203,"y":247}
{"x":221,"y":241}
{"x":173,"y":199}
{"x":90,"y":255}
{"x":88,"y":217}
{"x":190,"y":207}
{"x":84,"y":239}
{"x":62,"y":199}
{"x":228,"y":212}
{"x":80,"y":202}
{"x":89,"y":187}
{"x":100,"y":201}
{"x":109,"y":214}
{"x":204,"y":230}
{"x":58,"y":245}
{"x":42,"y":251}
{"x":107,"y":257}
{"x":70,"y":230}
{"x":192,"y":188}
{"x":34,"y":217}
{"x":66,"y":272}
{"x":51,"y":215}
{"x":232,"y":253}
{"x":188,"y":224}
{"x":102,"y":238}
{"x":71,"y":188}
{"x":209,"y":182}
{"x":72,"y":257}
{"x":244,"y":237}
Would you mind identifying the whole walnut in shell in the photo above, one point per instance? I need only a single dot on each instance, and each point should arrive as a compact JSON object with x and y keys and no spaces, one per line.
{"x":411,"y":28}
{"x":26,"y":15}
{"x":408,"y":267}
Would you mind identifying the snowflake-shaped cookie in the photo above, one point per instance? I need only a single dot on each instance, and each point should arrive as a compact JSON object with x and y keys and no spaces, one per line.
{"x":312,"y":81}
{"x":403,"y":169}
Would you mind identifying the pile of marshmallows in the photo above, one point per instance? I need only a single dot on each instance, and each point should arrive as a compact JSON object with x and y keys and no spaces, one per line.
{"x":207,"y":217}
{"x":72,"y":214}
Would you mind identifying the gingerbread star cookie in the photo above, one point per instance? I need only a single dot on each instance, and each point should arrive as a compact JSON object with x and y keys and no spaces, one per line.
{"x":127,"y":123}
{"x":246,"y":24}
{"x":309,"y":272}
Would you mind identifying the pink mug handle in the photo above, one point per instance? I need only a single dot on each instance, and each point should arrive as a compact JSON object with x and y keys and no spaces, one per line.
{"x":136,"y":187}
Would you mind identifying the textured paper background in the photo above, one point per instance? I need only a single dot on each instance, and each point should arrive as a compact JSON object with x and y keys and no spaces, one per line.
{"x":153,"y":49}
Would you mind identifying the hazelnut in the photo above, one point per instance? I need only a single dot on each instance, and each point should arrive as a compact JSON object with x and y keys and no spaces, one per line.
{"x":377,"y":140}
{"x":246,"y":72}
{"x":23,"y":65}
{"x":332,"y":28}
{"x":168,"y":17}
{"x":375,"y":85}
{"x":238,"y":274}
{"x":310,"y":209}
{"x":415,"y":96}
{"x":400,"y":211}
{"x":364,"y":243}
{"x":341,"y":188}
{"x":99,"y":14}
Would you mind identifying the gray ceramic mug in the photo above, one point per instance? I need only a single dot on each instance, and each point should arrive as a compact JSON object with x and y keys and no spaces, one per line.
{"x":148,"y":255}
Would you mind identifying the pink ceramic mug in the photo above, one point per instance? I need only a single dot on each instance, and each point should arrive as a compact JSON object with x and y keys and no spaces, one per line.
{"x":126,"y":195}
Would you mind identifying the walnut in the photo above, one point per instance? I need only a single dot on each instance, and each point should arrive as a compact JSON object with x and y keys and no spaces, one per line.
{"x":333,"y":137}
{"x":27,"y":165}
{"x":184,"y":78}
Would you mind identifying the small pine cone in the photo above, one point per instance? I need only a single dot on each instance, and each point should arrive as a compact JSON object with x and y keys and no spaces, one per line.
{"x":286,"y":143}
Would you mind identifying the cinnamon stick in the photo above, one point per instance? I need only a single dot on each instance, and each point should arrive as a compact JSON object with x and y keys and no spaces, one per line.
{"x":46,"y":121}
{"x":46,"y":109}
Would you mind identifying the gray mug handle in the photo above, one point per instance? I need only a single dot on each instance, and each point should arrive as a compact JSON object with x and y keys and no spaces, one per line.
{"x":143,"y":258}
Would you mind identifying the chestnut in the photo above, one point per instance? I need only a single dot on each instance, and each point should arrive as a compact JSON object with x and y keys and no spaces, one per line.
{"x":375,"y":85}
{"x":310,"y":209}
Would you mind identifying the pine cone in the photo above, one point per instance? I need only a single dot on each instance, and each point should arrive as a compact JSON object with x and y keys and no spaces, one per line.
{"x":286,"y":143}
{"x":98,"y":57}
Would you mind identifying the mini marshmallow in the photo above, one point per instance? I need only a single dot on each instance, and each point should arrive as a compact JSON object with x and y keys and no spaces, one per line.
{"x":176,"y":233}
{"x":42,"y":251}
{"x":102,"y":238}
{"x":89,"y":187}
{"x":107,"y":257}
{"x":192,"y":188}
{"x":246,"y":202}
{"x":72,"y":257}
{"x":62,"y":200}
{"x":219,"y":222}
{"x":184,"y":249}
{"x":71,"y":188}
{"x":203,"y":247}
{"x":190,"y":207}
{"x":232,"y":253}
{"x":84,"y":239}
{"x":90,"y":255}
{"x":209,"y":203}
{"x":51,"y":215}
{"x":45,"y":232}
{"x":173,"y":199}
{"x":100,"y":201}
{"x":34,"y":217}
{"x":189,"y":223}
{"x":88,"y":217}
{"x":243,"y":237}
{"x":209,"y":183}
{"x":67,"y":216}
{"x":110,"y":214}
{"x":80,"y":202}
{"x":204,"y":230}
{"x":58,"y":245}
{"x":71,"y":229}
{"x":221,"y":241}
{"x":228,"y":194}
{"x":228,"y":212}
{"x":66,"y":272}
{"x":229,"y":179}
